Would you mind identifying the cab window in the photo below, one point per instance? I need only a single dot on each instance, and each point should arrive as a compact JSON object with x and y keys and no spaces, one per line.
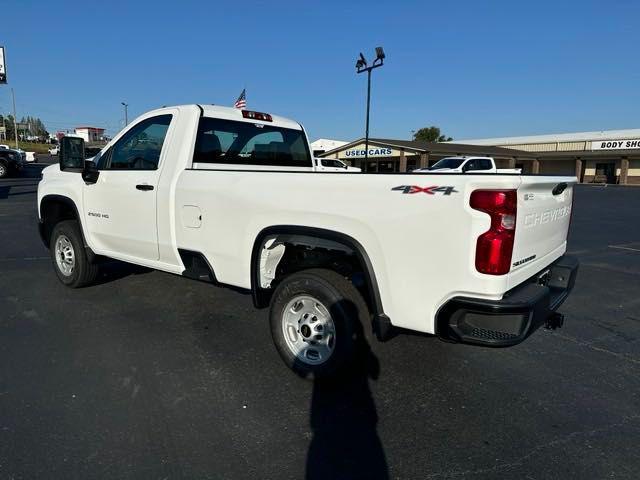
{"x":478,"y":164}
{"x":484,"y":164}
{"x":246,"y":143}
{"x":140,"y":147}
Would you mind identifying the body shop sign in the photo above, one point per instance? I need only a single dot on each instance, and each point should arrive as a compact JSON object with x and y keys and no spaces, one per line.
{"x":3,"y":67}
{"x":615,"y":144}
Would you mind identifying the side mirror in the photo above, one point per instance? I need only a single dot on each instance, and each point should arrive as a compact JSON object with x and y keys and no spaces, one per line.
{"x":90,"y":173}
{"x":71,"y":154}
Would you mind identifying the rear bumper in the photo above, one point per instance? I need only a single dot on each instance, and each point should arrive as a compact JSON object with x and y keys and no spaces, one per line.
{"x":506,"y":322}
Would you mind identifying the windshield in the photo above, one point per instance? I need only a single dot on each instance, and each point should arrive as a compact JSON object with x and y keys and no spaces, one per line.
{"x":448,"y":163}
{"x":332,"y":163}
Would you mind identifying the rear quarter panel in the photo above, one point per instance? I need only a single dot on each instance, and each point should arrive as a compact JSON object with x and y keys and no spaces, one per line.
{"x":421,"y":245}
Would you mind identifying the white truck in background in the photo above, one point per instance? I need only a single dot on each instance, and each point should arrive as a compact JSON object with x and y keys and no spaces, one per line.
{"x":333,"y":165}
{"x":466,"y":165}
{"x":233,"y":198}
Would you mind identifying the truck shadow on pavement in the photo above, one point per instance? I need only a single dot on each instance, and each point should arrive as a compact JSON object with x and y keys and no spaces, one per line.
{"x":345,"y":442}
{"x":113,"y":270}
{"x":5,"y":190}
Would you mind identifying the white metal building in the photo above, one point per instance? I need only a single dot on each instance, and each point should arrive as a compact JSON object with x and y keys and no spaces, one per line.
{"x":325,"y":144}
{"x":90,"y":134}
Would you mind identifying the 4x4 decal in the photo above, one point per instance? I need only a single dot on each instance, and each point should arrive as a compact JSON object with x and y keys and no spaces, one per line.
{"x":428,"y":190}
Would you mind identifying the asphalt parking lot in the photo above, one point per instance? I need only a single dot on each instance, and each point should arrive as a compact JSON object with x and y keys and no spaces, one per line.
{"x":149,"y":375}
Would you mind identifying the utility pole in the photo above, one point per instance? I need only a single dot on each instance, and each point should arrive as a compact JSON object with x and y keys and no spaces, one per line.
{"x":15,"y":122}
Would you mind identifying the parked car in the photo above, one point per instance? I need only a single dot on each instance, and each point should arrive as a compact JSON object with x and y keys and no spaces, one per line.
{"x":54,"y":150}
{"x":233,"y":197}
{"x":466,"y":165}
{"x":333,"y":165}
{"x":11,"y":162}
{"x":22,"y":153}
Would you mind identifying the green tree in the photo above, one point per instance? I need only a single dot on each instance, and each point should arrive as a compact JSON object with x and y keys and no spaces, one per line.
{"x":8,"y":122}
{"x":430,"y":134}
{"x":34,"y":126}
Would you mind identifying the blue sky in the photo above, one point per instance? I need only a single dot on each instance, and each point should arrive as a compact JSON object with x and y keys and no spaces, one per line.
{"x":476,"y":69}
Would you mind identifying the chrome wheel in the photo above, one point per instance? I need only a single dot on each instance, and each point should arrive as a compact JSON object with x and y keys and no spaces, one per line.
{"x":3,"y":170}
{"x":65,"y":255}
{"x":308,"y":330}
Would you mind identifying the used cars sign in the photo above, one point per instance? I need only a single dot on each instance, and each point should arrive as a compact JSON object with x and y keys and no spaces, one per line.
{"x":373,"y":152}
{"x":615,"y":144}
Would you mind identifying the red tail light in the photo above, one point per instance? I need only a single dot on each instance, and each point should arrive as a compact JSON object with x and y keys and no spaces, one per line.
{"x":495,"y":246}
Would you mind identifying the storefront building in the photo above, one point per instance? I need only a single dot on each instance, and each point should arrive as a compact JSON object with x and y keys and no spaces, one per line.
{"x":388,"y":155}
{"x":611,"y":156}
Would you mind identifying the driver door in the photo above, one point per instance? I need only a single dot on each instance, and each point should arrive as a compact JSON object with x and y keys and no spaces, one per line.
{"x":120,"y":207}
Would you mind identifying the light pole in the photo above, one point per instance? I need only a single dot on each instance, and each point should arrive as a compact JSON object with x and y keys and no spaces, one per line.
{"x":126,"y":118}
{"x":15,"y":121}
{"x":361,"y":66}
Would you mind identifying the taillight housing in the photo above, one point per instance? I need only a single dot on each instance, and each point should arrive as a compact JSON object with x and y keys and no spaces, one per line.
{"x":495,"y":247}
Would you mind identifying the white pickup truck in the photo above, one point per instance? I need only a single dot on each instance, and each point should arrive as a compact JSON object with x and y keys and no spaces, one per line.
{"x":333,"y":165}
{"x":231,"y":197}
{"x":466,"y":165}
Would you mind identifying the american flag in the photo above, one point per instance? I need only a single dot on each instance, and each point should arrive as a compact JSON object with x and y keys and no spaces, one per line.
{"x":241,"y":102}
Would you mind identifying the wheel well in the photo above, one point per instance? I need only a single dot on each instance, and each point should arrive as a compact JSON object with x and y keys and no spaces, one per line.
{"x":281,"y":251}
{"x":53,"y":210}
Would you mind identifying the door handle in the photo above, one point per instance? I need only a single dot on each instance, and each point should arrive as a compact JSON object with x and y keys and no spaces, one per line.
{"x":144,"y":186}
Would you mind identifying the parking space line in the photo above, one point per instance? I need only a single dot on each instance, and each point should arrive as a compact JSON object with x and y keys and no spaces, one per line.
{"x":28,"y":259}
{"x":589,"y":345}
{"x":621,"y":247}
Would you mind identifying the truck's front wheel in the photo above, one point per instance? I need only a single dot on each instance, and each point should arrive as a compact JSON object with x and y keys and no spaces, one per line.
{"x":69,"y":255}
{"x":318,"y":320}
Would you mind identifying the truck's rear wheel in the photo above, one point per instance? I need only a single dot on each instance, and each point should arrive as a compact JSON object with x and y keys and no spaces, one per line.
{"x":4,"y":170}
{"x":318,"y":320}
{"x":69,"y":255}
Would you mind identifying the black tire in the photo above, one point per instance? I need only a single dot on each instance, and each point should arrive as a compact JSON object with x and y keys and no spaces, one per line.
{"x":348,"y":311}
{"x":4,"y":169}
{"x":83,"y":272}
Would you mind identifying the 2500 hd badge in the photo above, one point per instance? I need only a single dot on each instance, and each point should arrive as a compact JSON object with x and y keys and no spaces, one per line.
{"x":98,"y":215}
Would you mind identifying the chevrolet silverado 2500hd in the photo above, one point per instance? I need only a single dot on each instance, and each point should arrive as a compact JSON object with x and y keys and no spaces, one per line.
{"x":232,"y":197}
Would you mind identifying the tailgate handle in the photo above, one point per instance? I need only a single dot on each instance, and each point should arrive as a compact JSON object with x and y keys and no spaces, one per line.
{"x":558,"y":189}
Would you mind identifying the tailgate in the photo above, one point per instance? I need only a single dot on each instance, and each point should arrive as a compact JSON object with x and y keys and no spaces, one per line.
{"x":542,"y":224}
